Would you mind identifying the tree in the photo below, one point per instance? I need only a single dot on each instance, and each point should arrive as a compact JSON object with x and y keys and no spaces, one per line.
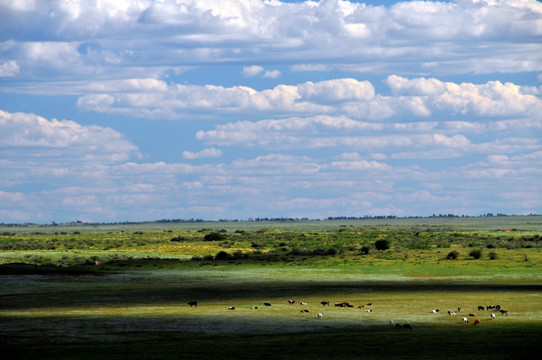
{"x":382,"y":244}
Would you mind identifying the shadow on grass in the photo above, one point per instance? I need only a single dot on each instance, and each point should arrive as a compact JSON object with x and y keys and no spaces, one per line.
{"x":60,"y":289}
{"x":95,"y":339}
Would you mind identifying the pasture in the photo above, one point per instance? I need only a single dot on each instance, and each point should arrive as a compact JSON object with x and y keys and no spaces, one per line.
{"x":125,"y":294}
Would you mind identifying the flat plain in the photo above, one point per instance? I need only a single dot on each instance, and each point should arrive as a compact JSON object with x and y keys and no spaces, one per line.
{"x":122,"y":291}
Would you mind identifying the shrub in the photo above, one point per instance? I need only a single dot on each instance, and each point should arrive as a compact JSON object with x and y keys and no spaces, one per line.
{"x":476,"y":253}
{"x":452,"y":255}
{"x":179,"y":238}
{"x":492,"y":255}
{"x":365,"y":250}
{"x":382,"y":244}
{"x":222,"y":255}
{"x":238,"y":254}
{"x":214,"y":236}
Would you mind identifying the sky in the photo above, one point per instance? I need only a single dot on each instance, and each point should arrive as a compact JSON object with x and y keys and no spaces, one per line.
{"x":116,"y":110}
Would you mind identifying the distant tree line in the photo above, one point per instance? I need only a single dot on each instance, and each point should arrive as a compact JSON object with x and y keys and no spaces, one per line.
{"x":260,"y":219}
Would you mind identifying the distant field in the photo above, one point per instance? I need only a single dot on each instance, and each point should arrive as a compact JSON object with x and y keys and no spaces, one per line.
{"x":524,"y":223}
{"x":121,"y":291}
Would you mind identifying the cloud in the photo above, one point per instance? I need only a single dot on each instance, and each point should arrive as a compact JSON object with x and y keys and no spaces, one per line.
{"x":9,"y":68}
{"x":490,"y":99}
{"x":338,"y":90}
{"x":418,"y":97}
{"x":205,"y":153}
{"x":35,"y":136}
{"x":272,"y":74}
{"x":88,"y":39}
{"x":253,"y":70}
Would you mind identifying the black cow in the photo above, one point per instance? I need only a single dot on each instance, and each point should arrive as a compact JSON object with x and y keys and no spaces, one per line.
{"x":193,"y":303}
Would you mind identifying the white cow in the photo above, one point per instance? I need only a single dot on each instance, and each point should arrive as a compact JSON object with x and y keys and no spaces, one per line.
{"x":492,"y":316}
{"x":465,"y":320}
{"x":319,"y":316}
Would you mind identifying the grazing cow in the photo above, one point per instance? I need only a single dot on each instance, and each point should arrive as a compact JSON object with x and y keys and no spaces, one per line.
{"x":451,"y":313}
{"x":361,"y":306}
{"x":303,"y":303}
{"x":498,"y":307}
{"x":253,"y":308}
{"x":458,"y":309}
{"x":193,"y":303}
{"x":319,"y":316}
{"x":492,"y":316}
{"x":435,"y":311}
{"x":370,"y":310}
{"x":369,"y":304}
{"x":476,"y":322}
{"x":504,"y":312}
{"x":473,"y":315}
{"x":291,"y":302}
{"x":392,"y":322}
{"x":325,"y":303}
{"x":231,"y":308}
{"x":304,"y":311}
{"x":488,"y":307}
{"x":481,"y":308}
{"x":465,"y":320}
{"x":398,"y":326}
{"x":407,"y":327}
{"x":267,"y":304}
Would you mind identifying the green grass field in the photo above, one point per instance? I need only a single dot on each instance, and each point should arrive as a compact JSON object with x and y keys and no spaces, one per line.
{"x":121,"y":294}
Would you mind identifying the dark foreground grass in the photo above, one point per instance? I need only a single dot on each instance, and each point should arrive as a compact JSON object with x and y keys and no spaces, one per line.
{"x":506,"y":341}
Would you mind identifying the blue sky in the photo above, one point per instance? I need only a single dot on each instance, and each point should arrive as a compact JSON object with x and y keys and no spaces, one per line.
{"x":138,"y":110}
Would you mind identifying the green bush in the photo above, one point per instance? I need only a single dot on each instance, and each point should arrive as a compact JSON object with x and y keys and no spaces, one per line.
{"x":452,"y":255}
{"x":382,"y":244}
{"x":476,"y":253}
{"x":214,"y":236}
{"x":222,"y":255}
{"x":492,"y":255}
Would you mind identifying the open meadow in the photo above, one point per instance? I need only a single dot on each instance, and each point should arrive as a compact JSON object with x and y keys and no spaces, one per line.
{"x":122,"y":291}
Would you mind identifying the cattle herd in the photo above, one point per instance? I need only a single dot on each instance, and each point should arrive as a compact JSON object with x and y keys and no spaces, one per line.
{"x":397,"y":325}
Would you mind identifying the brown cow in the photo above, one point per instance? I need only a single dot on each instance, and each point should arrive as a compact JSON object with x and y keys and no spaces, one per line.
{"x":504,"y":312}
{"x":476,"y":322}
{"x":398,"y":326}
{"x":325,"y":303}
{"x":473,"y":314}
{"x":291,"y":302}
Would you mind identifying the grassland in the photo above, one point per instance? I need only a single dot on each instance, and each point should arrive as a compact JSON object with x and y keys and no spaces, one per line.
{"x":121,"y":292}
